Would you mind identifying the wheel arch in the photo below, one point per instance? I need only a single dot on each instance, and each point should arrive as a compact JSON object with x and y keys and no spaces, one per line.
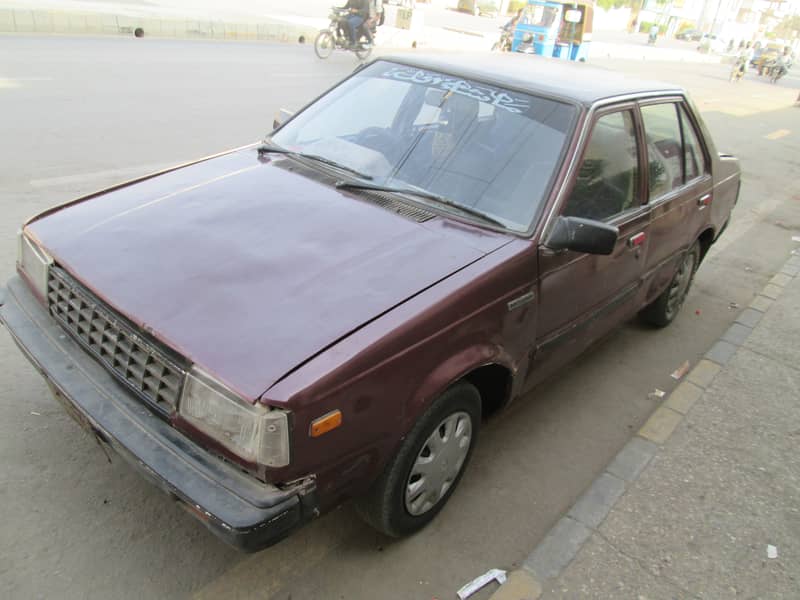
{"x":488,"y":368}
{"x":705,"y":239}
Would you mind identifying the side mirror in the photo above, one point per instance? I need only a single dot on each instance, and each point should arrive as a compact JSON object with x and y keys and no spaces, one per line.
{"x":281,"y":117}
{"x":582,"y":235}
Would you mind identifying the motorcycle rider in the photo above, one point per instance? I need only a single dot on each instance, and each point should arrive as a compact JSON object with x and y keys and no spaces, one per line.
{"x":511,"y":25}
{"x":507,"y":34}
{"x":742,"y":62}
{"x":358,"y":13}
{"x":375,"y":19}
{"x":782,"y":64}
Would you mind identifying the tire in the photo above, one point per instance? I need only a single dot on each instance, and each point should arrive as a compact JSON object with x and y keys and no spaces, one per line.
{"x":397,"y":504}
{"x":324,"y":44}
{"x":663,"y":310}
{"x":363,"y":53}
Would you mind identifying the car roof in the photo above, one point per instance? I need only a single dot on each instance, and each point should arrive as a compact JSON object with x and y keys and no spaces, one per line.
{"x":564,"y":79}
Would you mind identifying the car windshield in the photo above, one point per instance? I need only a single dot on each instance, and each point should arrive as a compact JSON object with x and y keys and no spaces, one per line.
{"x":479,"y":146}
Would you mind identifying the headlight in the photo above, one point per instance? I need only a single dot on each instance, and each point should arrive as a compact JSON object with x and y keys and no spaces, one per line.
{"x":255,"y":433}
{"x":33,"y":262}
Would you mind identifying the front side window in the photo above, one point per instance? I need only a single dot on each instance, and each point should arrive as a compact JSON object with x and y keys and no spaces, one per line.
{"x":664,"y":149}
{"x":481,"y":146}
{"x":608,"y":179}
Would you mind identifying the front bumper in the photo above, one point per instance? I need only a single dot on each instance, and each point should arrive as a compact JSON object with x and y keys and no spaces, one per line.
{"x":244,"y":512}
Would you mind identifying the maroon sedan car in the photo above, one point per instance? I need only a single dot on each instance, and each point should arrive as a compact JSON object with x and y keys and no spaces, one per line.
{"x":331,"y":314}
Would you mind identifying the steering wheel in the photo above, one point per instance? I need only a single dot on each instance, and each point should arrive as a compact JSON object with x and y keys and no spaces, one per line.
{"x":378,"y":139}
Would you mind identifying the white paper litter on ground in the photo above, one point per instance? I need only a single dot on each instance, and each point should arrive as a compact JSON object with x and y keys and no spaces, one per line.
{"x":477,"y":583}
{"x":796,"y":238}
{"x":772,"y":551}
{"x":681,"y":371}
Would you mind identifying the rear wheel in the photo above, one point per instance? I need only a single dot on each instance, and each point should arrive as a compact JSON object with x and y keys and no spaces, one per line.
{"x":663,"y":310}
{"x":418,"y":481}
{"x":324,"y":44}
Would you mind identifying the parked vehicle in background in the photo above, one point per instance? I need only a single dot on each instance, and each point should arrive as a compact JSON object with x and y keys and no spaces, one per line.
{"x":332,"y":313}
{"x":711,"y":43}
{"x":689,"y":35}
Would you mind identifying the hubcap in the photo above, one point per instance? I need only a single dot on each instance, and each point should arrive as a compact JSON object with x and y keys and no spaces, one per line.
{"x":438,"y":463}
{"x":680,"y":285}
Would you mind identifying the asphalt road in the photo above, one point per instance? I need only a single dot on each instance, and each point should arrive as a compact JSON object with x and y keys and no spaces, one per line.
{"x":81,"y":113}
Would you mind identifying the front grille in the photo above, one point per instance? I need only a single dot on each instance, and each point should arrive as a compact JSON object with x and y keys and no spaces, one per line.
{"x":137,"y":362}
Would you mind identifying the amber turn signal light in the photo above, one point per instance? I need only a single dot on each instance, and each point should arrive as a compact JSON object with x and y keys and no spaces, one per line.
{"x":325,"y":423}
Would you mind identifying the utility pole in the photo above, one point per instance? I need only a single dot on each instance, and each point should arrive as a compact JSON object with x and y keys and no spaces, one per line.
{"x":716,"y":14}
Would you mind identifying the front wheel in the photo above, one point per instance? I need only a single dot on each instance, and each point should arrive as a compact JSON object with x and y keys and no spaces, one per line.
{"x":324,"y":44}
{"x":663,"y":310}
{"x":418,"y":481}
{"x":363,"y":52}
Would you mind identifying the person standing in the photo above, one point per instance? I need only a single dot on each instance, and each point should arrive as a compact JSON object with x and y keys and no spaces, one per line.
{"x":653,"y":35}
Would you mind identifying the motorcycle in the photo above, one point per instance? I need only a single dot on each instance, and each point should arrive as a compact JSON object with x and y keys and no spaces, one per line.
{"x":737,"y":72}
{"x":774,"y":69}
{"x":765,"y":67}
{"x":504,"y":43}
{"x":776,"y":72}
{"x":651,"y":38}
{"x":336,"y":37}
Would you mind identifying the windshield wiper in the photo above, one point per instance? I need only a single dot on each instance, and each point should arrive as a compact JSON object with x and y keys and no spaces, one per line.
{"x":272,"y":149}
{"x":415,"y":191}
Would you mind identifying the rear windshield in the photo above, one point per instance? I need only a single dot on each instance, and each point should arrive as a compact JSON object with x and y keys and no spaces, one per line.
{"x":481,"y":146}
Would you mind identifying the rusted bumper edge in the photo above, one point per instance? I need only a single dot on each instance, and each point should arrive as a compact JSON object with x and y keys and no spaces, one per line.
{"x":245,"y":513}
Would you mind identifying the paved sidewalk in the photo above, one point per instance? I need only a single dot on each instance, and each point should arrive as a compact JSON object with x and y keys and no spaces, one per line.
{"x":705,"y":501}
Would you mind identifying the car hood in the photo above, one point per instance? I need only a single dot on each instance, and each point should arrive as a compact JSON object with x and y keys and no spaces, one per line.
{"x":247,"y":267}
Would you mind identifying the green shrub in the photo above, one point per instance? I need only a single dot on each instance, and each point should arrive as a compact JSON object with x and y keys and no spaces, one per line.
{"x":515,"y":5}
{"x":644,"y":27}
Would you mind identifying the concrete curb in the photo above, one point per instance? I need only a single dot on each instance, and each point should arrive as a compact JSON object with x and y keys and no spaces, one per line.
{"x":92,"y":23}
{"x":563,"y":542}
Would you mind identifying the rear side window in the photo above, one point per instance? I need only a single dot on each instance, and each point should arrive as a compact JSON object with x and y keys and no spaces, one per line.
{"x":608,"y":178}
{"x":694,"y":161}
{"x":664,"y":148}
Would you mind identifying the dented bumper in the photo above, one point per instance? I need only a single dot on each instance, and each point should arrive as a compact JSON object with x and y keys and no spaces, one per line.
{"x":244,"y":512}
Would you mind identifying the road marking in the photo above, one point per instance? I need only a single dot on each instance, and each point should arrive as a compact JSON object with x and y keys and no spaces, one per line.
{"x":777,"y":134}
{"x":9,"y":83}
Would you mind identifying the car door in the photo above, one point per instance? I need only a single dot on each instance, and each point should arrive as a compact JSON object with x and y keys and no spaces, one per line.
{"x":582,"y":296}
{"x":679,"y":188}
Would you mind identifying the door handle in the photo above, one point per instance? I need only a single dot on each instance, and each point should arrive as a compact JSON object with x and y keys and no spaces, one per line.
{"x":704,"y":201}
{"x":637,"y":239}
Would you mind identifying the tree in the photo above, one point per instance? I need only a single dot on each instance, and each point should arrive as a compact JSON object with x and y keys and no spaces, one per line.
{"x":785,"y":28}
{"x":609,"y":4}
